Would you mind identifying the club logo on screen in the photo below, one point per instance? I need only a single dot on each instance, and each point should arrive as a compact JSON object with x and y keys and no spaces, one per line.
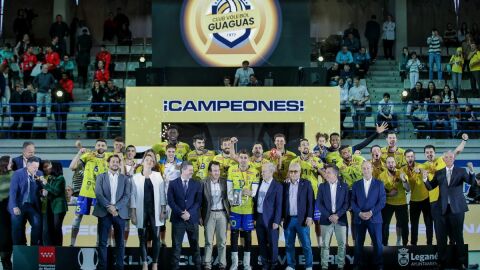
{"x":227,"y":32}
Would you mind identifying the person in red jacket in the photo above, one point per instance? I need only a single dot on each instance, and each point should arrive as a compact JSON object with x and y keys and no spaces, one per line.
{"x":29,"y":60}
{"x":52,"y":60}
{"x":104,"y":56}
{"x":101,"y":74}
{"x":67,"y":84}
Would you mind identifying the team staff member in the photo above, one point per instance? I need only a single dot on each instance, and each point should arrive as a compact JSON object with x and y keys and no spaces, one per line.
{"x":396,"y":186}
{"x":419,"y":202}
{"x":280,"y":156}
{"x":227,"y":158}
{"x":200,"y":157}
{"x":172,"y":138}
{"x":242,"y":186}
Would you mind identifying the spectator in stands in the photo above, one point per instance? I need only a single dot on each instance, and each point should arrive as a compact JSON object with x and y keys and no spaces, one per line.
{"x":6,"y":245}
{"x":52,"y":61}
{"x":474,"y":65}
{"x":29,"y":98}
{"x":242,"y":75}
{"x":115,"y":95}
{"x":372,"y":33}
{"x":344,"y":57}
{"x":106,"y":57}
{"x":59,"y":29}
{"x":20,"y":25}
{"x":347,"y":74}
{"x":98,"y":97}
{"x":101,"y":74}
{"x":120,"y":19}
{"x":448,"y":95}
{"x":16,"y":109}
{"x":414,"y":66}
{"x":431,"y":92}
{"x":333,"y":74}
{"x":469,"y":119}
{"x":437,"y":114}
{"x":44,"y":84}
{"x":66,"y":84}
{"x":462,"y":32}
{"x":58,"y":47}
{"x":226,"y":81}
{"x":434,"y":43}
{"x":362,"y":62}
{"x":420,"y":118}
{"x":344,"y":100}
{"x":29,"y":60}
{"x":6,"y":86}
{"x":41,"y":55}
{"x":124,"y":35}
{"x":415,"y":97}
{"x":351,"y":30}
{"x":254,"y":81}
{"x":388,"y":37}
{"x":456,"y":62}
{"x":22,"y":46}
{"x":358,"y":97}
{"x":84,"y":45}
{"x":454,"y":116}
{"x":385,"y":112}
{"x":67,"y":65}
{"x":352,"y":43}
{"x":450,"y":36}
{"x":7,"y":56}
{"x":60,"y":106}
{"x":404,"y":57}
{"x":109,"y":28}
{"x":474,"y":31}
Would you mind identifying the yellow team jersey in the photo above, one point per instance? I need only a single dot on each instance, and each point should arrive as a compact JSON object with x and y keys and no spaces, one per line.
{"x":240,"y":180}
{"x":180,"y":152}
{"x":352,"y":172}
{"x":94,"y":166}
{"x":398,"y":155}
{"x":334,"y":157}
{"x":378,"y":168}
{"x":432,"y":167}
{"x":225,"y":164}
{"x":394,"y":182}
{"x":309,"y":173}
{"x":258,"y":165}
{"x":282,"y":169}
{"x":200,"y":163}
{"x":418,"y":191}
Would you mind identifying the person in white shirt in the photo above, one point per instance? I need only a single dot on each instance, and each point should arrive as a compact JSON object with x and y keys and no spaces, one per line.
{"x":385,"y":112}
{"x":414,"y":66}
{"x":388,"y":37}
{"x":242,"y":75}
{"x":358,"y":97}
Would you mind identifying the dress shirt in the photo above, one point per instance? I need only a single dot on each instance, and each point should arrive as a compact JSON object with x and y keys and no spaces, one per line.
{"x":262,"y":193}
{"x":366,"y":185}
{"x":216,"y":193}
{"x":113,"y":178}
{"x":449,"y":179}
{"x":293,"y":197}
{"x":333,"y":195}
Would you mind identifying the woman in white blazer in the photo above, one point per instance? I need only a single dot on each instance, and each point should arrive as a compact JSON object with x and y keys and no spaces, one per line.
{"x":148,"y":203}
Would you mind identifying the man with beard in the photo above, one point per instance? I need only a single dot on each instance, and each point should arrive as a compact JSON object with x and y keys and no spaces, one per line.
{"x":280,"y":156}
{"x":200,"y":157}
{"x":396,"y":186}
{"x":377,"y":163}
{"x":242,"y":186}
{"x":333,"y":155}
{"x":130,"y":162}
{"x":418,"y":198}
{"x":311,"y":170}
{"x":94,"y":163}
{"x":257,"y":160}
{"x":227,"y":158}
{"x":172,"y":138}
{"x":392,"y":150}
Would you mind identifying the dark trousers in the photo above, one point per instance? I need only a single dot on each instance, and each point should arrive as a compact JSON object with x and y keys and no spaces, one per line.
{"x":375,"y":232}
{"x":27,"y":126}
{"x":6,"y":235}
{"x":178,"y":231}
{"x":61,"y":124}
{"x":83,"y":72}
{"x":27,"y":77}
{"x":401,"y":215}
{"x":153,"y":232}
{"x":373,"y":47}
{"x":388,"y":48}
{"x":392,"y":123}
{"x":475,"y":80}
{"x":267,"y":242}
{"x":453,"y":223}
{"x":34,"y":218}
{"x":104,"y":225}
{"x":16,"y":123}
{"x":55,"y":222}
{"x":247,"y":237}
{"x":415,"y":209}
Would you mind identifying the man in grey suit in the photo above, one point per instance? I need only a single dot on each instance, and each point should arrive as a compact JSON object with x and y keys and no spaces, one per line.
{"x":451,"y":207}
{"x":113,"y":193}
{"x":215,"y":215}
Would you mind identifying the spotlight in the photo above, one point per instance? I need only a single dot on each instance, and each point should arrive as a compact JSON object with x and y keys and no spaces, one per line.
{"x":320,"y":58}
{"x":59,"y":93}
{"x":142,"y":62}
{"x":404,"y":93}
{"x":142,"y":59}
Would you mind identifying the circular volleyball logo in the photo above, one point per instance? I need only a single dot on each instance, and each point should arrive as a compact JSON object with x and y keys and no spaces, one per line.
{"x":226,"y":32}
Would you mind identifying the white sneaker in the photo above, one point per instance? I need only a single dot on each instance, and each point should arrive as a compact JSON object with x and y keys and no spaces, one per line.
{"x":289,"y":268}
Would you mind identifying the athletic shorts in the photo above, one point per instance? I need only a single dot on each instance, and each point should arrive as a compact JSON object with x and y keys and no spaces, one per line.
{"x":242,"y":222}
{"x":84,"y":204}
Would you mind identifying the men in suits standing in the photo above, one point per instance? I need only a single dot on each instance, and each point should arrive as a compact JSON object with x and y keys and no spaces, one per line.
{"x":268,"y":215}
{"x":20,"y":162}
{"x":215,"y":215}
{"x":112,"y":190}
{"x":368,"y":200}
{"x":333,"y":202}
{"x":185,"y":199}
{"x":451,"y":207}
{"x":298,"y":216}
{"x":24,"y":202}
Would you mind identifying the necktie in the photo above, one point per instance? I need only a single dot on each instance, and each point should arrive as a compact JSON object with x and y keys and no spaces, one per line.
{"x":449,"y":176}
{"x":31,"y":190}
{"x":185,"y":186}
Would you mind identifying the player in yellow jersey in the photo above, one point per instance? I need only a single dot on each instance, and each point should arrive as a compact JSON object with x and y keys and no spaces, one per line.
{"x":392,"y":150}
{"x":396,"y":186}
{"x":257,"y":159}
{"x":377,"y":163}
{"x":172,"y":138}
{"x":280,"y":156}
{"x":350,"y":166}
{"x":419,"y":202}
{"x":242,"y":186}
{"x":94,"y":163}
{"x":227,"y":158}
{"x":200,"y":157}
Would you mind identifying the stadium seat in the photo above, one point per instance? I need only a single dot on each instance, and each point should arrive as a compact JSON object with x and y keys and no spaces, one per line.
{"x":120,"y":66}
{"x":40,"y":122}
{"x":149,"y":64}
{"x":118,"y":83}
{"x":130,"y":82}
{"x":137,"y":50}
{"x":123,"y":50}
{"x":148,"y":49}
{"x":131,"y":66}
{"x":348,"y":123}
{"x":6,"y":122}
{"x":111,"y":49}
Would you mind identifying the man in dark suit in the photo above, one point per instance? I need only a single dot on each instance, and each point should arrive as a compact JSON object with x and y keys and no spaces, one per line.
{"x":24,"y":202}
{"x":298,"y":216}
{"x":215,"y":215}
{"x":451,"y":207}
{"x":185,"y":198}
{"x":21,"y":161}
{"x":112,"y":190}
{"x":267,"y":205}
{"x":368,"y":200}
{"x":333,"y":202}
